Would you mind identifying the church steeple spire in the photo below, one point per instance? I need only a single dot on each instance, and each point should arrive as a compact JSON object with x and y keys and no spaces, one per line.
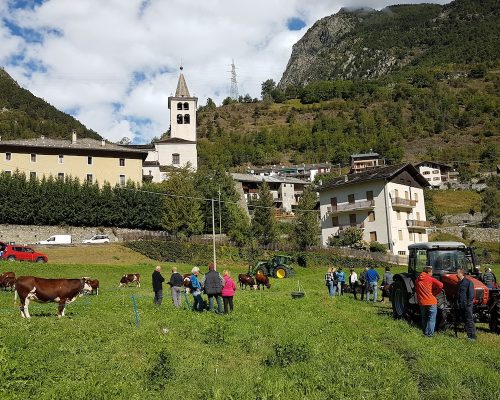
{"x":182,"y":89}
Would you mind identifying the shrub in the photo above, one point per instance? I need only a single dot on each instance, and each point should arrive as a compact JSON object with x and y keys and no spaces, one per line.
{"x":161,"y":371}
{"x":287,"y":354}
{"x":376,"y":247}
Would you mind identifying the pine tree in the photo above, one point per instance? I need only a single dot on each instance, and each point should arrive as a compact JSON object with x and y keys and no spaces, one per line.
{"x":307,"y":224}
{"x":263,"y":223}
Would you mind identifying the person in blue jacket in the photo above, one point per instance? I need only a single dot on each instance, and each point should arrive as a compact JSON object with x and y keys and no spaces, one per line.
{"x":372,"y":277}
{"x":465,"y":299}
{"x":341,"y":285}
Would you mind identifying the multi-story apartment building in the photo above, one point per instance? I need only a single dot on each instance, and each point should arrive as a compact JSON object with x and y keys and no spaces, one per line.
{"x":361,"y":162}
{"x":86,"y":159}
{"x":437,"y":174}
{"x":387,"y":203}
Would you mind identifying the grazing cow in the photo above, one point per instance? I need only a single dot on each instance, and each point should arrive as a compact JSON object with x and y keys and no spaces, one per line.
{"x":61,"y":291}
{"x":94,"y":284}
{"x":7,"y":280}
{"x":130,"y":278}
{"x":263,"y":280}
{"x":246,"y":280}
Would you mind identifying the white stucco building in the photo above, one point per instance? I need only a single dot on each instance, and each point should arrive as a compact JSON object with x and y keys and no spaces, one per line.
{"x":437,"y":174}
{"x":387,"y":203}
{"x":179,"y":150}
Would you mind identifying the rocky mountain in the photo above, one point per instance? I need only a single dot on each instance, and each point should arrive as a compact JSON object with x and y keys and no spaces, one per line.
{"x":23,"y":115}
{"x":366,"y":43}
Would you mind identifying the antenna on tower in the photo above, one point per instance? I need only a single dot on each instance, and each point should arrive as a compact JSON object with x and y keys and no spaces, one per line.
{"x":233,"y":93}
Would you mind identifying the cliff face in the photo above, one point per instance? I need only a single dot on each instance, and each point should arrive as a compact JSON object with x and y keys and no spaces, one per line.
{"x":368,"y":44}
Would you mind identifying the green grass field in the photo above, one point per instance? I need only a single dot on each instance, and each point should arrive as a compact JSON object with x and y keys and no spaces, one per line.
{"x":272,"y":347}
{"x":456,"y":201}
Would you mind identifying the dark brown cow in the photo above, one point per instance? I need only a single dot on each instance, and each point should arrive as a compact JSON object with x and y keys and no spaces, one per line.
{"x":130,"y":278}
{"x":41,"y":290}
{"x":186,"y":280}
{"x":263,"y":280}
{"x":94,"y":284}
{"x":246,"y":280}
{"x":7,"y":280}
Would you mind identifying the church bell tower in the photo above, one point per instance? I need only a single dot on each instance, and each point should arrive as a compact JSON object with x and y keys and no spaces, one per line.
{"x":182,"y":112}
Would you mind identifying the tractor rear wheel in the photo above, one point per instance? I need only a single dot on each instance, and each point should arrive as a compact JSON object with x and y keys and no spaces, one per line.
{"x":400,"y":302}
{"x":261,"y":271}
{"x":281,"y":272}
{"x":495,"y":319}
{"x":442,"y":311}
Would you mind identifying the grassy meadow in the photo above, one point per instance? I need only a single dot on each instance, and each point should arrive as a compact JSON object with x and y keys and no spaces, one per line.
{"x":271,"y":347}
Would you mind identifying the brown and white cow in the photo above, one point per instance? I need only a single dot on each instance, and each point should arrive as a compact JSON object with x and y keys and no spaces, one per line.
{"x":94,"y":284}
{"x":41,"y":290}
{"x":8,"y":280}
{"x":130,"y":278}
{"x":263,"y":280}
{"x":246,"y":280}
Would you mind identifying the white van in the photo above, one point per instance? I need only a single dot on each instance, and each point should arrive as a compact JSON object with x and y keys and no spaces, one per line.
{"x":57,"y":239}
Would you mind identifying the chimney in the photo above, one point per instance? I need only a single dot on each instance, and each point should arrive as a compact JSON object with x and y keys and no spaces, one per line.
{"x":103,"y":142}
{"x":73,"y":136}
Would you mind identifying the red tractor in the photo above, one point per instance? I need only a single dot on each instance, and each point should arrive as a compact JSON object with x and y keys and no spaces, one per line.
{"x":445,"y":258}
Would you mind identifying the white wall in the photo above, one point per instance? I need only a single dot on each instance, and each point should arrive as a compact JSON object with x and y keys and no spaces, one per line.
{"x":186,"y":151}
{"x":183,"y":131}
{"x":433,"y":175}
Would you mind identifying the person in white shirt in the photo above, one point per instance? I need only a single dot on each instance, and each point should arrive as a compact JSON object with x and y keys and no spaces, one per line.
{"x":353,"y":282}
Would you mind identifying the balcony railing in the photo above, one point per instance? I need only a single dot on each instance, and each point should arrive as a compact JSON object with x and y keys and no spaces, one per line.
{"x":413,"y":223}
{"x":345,"y":226}
{"x":400,"y":202}
{"x":358,"y":205}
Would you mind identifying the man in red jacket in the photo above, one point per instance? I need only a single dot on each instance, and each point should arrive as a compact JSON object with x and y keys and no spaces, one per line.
{"x":427,"y":289}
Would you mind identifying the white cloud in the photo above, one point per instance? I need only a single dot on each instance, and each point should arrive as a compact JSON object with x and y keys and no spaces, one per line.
{"x":91,"y":50}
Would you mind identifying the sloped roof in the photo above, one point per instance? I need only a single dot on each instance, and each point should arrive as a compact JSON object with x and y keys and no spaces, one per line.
{"x":375,"y":174}
{"x":182,"y":89}
{"x":363,"y":155}
{"x":176,"y":140}
{"x":270,"y":179}
{"x":439,"y":165}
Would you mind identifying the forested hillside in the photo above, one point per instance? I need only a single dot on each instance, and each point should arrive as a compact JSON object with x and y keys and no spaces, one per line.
{"x":23,"y":115}
{"x":447,"y":113}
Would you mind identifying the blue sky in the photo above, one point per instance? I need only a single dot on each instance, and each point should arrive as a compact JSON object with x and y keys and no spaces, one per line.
{"x":112,"y":64}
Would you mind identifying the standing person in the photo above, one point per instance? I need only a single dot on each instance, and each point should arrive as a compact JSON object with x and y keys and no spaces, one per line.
{"x":329,"y":282}
{"x":353,"y":282}
{"x":427,"y":288}
{"x":363,"y":282}
{"x":213,"y":282}
{"x":372,"y":277}
{"x":386,"y":284}
{"x":335,"y":280}
{"x":489,"y":278}
{"x":465,"y":298}
{"x":158,"y":280}
{"x":176,"y":281}
{"x":195,"y":287}
{"x":341,"y":285}
{"x":228,"y":291}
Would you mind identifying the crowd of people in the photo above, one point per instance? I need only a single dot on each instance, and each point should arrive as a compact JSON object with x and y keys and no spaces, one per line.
{"x":367,"y":284}
{"x":219,"y":289}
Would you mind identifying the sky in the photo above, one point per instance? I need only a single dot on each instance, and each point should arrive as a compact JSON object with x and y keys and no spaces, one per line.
{"x":113,"y":63}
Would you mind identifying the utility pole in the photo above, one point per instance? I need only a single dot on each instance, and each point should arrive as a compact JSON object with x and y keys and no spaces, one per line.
{"x":220,"y":216}
{"x":213,"y":234}
{"x":233,"y":93}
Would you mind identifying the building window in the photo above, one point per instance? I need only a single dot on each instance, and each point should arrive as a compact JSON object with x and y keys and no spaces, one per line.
{"x":7,"y":172}
{"x":186,"y":106}
{"x":410,"y":237}
{"x":61,"y":159}
{"x":402,"y":253}
{"x":179,"y":106}
{"x":333,"y":202}
{"x":371,"y":216}
{"x":352,"y":220}
{"x":350,"y":198}
{"x":369,"y":195}
{"x":89,"y":160}
{"x":179,"y":119}
{"x":436,"y":178}
{"x":187,"y":119}
{"x":426,"y":173}
{"x":400,"y":235}
{"x":122,"y":180}
{"x":407,"y":215}
{"x":8,"y":156}
{"x":32,"y":175}
{"x":436,"y":171}
{"x":335,"y":221}
{"x":419,"y":237}
{"x":373,"y":236}
{"x":416,"y":197}
{"x":418,"y":216}
{"x":398,"y":215}
{"x":33,"y":157}
{"x":407,"y":195}
{"x":429,"y":179}
{"x":89,"y":178}
{"x":60,"y":175}
{"x":396,"y":193}
{"x":176,"y":159}
{"x":122,"y":162}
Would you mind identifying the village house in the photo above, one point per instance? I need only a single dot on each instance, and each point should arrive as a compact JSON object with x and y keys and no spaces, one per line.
{"x":386,"y":203}
{"x":86,"y":159}
{"x":361,"y":162}
{"x":301,"y":171}
{"x":437,"y":174}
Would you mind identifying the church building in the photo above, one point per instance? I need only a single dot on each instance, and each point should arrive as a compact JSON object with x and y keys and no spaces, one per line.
{"x":179,"y":150}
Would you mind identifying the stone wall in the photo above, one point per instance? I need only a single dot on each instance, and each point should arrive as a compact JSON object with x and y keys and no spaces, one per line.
{"x":30,"y":234}
{"x":477,"y":234}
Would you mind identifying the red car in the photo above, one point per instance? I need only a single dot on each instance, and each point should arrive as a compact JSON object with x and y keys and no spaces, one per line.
{"x":17,"y":252}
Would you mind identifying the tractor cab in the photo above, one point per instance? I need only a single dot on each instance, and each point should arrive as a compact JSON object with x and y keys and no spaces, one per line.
{"x":443,"y":257}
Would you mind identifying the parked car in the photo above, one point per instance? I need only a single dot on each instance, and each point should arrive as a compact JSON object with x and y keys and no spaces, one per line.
{"x":17,"y":252}
{"x":57,"y":239}
{"x":97,"y":239}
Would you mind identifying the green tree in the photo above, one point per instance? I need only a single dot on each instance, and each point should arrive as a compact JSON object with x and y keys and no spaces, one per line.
{"x":267,"y":88}
{"x":263,"y":222}
{"x":307,"y":224}
{"x":490,"y":206}
{"x":351,"y":237}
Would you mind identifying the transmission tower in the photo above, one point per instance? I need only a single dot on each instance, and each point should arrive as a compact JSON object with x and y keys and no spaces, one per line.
{"x":233,"y":93}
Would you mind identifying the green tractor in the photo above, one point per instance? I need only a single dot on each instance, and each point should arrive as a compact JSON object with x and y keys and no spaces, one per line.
{"x":277,"y":267}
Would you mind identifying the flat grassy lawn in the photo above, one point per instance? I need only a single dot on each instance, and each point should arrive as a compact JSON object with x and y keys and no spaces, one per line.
{"x":456,"y":201}
{"x":328,"y":349}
